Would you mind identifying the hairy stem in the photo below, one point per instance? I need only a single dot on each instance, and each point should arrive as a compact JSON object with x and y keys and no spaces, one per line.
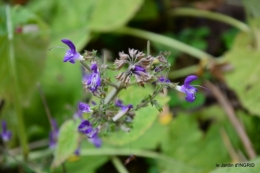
{"x":112,"y":95}
{"x":85,"y":65}
{"x":15,"y":86}
{"x":210,"y":15}
{"x":118,"y":165}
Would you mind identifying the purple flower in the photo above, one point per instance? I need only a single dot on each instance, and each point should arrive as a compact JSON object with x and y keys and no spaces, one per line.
{"x":189,"y":90}
{"x":5,"y":134}
{"x":123,"y":111}
{"x":137,"y":69}
{"x":83,"y":107}
{"x":163,"y":79}
{"x":53,"y":136}
{"x":92,"y":133}
{"x":77,"y":151}
{"x":93,"y":80}
{"x":85,"y":127}
{"x":71,"y":55}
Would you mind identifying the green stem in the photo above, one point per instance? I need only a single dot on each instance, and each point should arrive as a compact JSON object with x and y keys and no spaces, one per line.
{"x":210,"y":15}
{"x":175,"y":44}
{"x":148,"y":48}
{"x":112,"y":95}
{"x":85,"y":65}
{"x":108,"y":152}
{"x":183,"y":72}
{"x":15,"y":86}
{"x":118,"y":165}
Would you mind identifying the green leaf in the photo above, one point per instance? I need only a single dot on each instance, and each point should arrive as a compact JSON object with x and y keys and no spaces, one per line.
{"x":109,"y":15}
{"x":244,"y":79}
{"x":85,"y":164}
{"x":152,"y":137}
{"x":29,"y":50}
{"x":144,"y":117}
{"x":199,"y":149}
{"x":67,"y":142}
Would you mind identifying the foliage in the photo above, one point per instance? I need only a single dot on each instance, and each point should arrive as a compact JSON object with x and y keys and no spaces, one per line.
{"x":195,"y":139}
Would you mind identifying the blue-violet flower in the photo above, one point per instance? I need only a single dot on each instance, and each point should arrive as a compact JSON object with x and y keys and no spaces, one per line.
{"x":5,"y":134}
{"x":92,"y":133}
{"x":163,"y":79}
{"x":92,"y":81}
{"x":71,"y":55}
{"x":83,"y":107}
{"x":188,"y":89}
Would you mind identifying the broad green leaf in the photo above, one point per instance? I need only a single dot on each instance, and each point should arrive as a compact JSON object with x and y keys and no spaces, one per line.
{"x":68,"y":20}
{"x":84,"y":164}
{"x":109,"y":15}
{"x":151,"y":138}
{"x":187,"y":143}
{"x":239,"y":168}
{"x":67,"y":142}
{"x":144,"y":117}
{"x":28,"y":49}
{"x":244,"y":79}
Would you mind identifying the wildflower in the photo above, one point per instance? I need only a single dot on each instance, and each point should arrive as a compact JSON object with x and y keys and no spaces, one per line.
{"x":163,"y":79}
{"x":83,"y":107}
{"x":92,"y":133}
{"x":5,"y":134}
{"x":77,"y":151}
{"x":53,"y":136}
{"x":93,"y":80}
{"x":85,"y":127}
{"x":138,"y":64}
{"x":188,"y":89}
{"x":71,"y":55}
{"x":123,"y":111}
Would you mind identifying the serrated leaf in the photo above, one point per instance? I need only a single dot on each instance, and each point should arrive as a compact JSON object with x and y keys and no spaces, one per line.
{"x":144,"y":117}
{"x":109,"y":15}
{"x":67,"y":142}
{"x":244,"y":79}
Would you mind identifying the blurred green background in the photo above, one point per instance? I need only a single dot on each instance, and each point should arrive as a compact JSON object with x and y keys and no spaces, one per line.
{"x":218,"y":40}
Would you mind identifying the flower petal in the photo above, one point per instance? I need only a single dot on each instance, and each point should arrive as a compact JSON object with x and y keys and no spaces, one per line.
{"x":83,"y":107}
{"x":70,"y":44}
{"x":190,"y":93}
{"x":96,"y":141}
{"x":85,"y":127}
{"x":189,"y":79}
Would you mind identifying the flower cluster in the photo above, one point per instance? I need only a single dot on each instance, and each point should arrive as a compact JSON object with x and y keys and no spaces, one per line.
{"x":109,"y":113}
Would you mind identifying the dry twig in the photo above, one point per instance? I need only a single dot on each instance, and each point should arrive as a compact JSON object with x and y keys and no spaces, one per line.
{"x":226,"y":105}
